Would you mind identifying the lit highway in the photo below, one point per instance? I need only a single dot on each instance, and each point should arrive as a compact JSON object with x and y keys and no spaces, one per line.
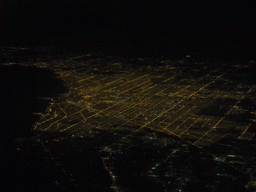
{"x":157,"y":99}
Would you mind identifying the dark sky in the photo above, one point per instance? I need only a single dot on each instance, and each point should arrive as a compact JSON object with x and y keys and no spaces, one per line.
{"x":183,"y":23}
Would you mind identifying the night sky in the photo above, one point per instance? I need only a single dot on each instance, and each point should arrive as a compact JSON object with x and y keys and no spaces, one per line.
{"x":182,"y":25}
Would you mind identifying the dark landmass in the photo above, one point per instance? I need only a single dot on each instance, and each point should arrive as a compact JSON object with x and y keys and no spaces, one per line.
{"x":29,"y":166}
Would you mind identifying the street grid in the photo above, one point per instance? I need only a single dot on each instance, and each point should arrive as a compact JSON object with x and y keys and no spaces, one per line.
{"x":166,"y":98}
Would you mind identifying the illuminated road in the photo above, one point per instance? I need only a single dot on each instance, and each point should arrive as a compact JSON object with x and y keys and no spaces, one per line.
{"x":161,"y":99}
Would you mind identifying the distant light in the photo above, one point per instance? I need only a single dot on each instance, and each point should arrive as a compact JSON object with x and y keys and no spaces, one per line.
{"x":188,"y":56}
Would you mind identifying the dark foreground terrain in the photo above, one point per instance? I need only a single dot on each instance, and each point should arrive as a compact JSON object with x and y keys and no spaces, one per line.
{"x":26,"y":163}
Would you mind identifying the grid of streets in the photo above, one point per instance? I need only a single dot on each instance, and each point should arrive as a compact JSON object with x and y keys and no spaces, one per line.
{"x":169,"y":97}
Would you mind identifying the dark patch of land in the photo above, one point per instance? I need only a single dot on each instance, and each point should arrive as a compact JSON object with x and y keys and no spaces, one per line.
{"x":25,"y":162}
